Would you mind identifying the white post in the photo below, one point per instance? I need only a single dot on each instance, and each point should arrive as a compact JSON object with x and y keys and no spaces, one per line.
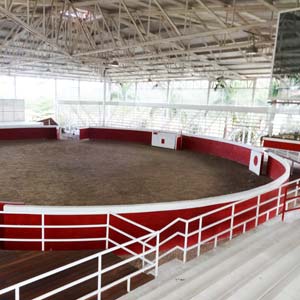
{"x":107,"y":231}
{"x":199,"y":237}
{"x":104,"y":101}
{"x":143,"y":257}
{"x":99,"y":276}
{"x":231,"y":221}
{"x":17,"y":293}
{"x":257,"y":210}
{"x":128,"y":285}
{"x":278,"y":201}
{"x":157,"y":254}
{"x":43,"y":231}
{"x":185,"y":241}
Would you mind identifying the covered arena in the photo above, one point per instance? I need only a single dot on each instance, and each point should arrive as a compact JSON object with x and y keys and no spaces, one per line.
{"x":134,"y":134}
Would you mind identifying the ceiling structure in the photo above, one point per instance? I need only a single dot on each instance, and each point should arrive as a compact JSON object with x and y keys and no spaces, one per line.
{"x":139,"y":39}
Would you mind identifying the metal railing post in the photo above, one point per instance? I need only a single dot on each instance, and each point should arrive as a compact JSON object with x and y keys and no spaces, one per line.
{"x":157,"y":253}
{"x":17,"y":293}
{"x":128,"y":285}
{"x":143,"y":257}
{"x":107,"y":231}
{"x":284,"y":204}
{"x":43,"y":231}
{"x":185,"y":241}
{"x":278,"y":201}
{"x":99,"y":277}
{"x":257,"y":210}
{"x":199,"y":237}
{"x":231,"y":222}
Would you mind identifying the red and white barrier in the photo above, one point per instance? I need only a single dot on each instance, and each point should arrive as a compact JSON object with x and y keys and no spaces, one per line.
{"x":281,"y":144}
{"x":79,"y":225}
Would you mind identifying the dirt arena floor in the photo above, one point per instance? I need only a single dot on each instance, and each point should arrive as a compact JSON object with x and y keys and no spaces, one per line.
{"x":107,"y":172}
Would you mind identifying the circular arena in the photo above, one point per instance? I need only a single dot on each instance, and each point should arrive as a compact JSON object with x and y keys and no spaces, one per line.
{"x":108,"y":172}
{"x":60,"y":203}
{"x":68,"y":191}
{"x":137,"y":134}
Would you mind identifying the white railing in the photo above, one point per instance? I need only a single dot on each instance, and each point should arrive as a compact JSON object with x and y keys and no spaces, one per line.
{"x":261,"y":210}
{"x":294,"y":156}
{"x":183,"y":234}
{"x":147,"y":264}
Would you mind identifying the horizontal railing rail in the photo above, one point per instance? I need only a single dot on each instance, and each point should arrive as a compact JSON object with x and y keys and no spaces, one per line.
{"x":147,"y":264}
{"x":185,"y":235}
{"x":276,"y":209}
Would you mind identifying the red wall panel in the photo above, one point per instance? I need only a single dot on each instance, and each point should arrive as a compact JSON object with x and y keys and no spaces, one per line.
{"x":136,"y":136}
{"x":28,"y":133}
{"x":282,"y":145}
{"x":229,"y":151}
{"x":84,"y":133}
{"x":274,"y":168}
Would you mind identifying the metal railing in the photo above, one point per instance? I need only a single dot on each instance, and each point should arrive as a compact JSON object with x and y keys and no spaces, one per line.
{"x":258,"y":210}
{"x":291,"y":199}
{"x":181,"y":234}
{"x":141,"y":241}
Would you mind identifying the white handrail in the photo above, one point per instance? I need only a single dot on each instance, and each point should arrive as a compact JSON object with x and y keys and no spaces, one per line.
{"x":143,"y":240}
{"x":99,"y":255}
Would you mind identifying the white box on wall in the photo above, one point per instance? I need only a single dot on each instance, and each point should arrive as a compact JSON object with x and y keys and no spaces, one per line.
{"x":164,"y":139}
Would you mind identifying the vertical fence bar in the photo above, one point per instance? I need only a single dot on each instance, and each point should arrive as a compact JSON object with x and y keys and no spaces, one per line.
{"x":185,"y":241}
{"x":107,"y":231}
{"x":43,"y":231}
{"x":231,"y":222}
{"x":128,"y":285}
{"x":278,"y":201}
{"x":157,"y":254}
{"x":17,"y":293}
{"x":257,"y":210}
{"x":284,"y":204}
{"x":199,"y":237}
{"x":99,"y":277}
{"x":143,"y":257}
{"x":297,"y":194}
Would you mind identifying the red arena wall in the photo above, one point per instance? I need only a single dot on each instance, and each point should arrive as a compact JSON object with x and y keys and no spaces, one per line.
{"x":217,"y":148}
{"x":154,"y":216}
{"x":47,"y":132}
{"x":135,"y":136}
{"x":281,"y":144}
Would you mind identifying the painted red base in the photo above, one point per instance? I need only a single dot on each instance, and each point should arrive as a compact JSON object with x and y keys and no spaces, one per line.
{"x":28,"y":133}
{"x":125,"y":135}
{"x":281,"y":144}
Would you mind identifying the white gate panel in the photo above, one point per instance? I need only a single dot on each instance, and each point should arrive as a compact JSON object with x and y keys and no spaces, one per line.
{"x":164,"y":139}
{"x":256,"y":161}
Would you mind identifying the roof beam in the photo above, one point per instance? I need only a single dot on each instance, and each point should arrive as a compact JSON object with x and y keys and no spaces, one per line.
{"x":32,"y":30}
{"x":178,"y":38}
{"x":269,"y":5}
